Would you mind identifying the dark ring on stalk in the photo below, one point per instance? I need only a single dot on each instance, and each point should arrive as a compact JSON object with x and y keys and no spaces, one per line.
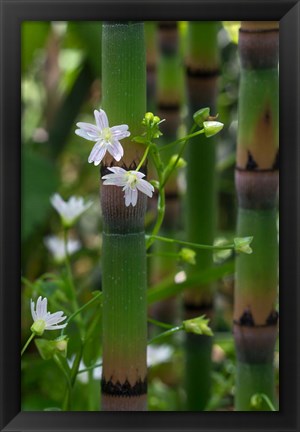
{"x":165,"y":106}
{"x":125,"y":389}
{"x":246,"y":320}
{"x":167,"y":25}
{"x":202,"y":73}
{"x":132,"y":167}
{"x":201,"y":308}
{"x":259,"y":30}
{"x":256,"y":170}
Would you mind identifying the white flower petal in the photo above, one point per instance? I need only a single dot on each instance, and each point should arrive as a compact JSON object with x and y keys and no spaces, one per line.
{"x":116,"y":150}
{"x":56,"y":327}
{"x":134,"y":197}
{"x":145,"y":187}
{"x":118,"y":170}
{"x":128,"y":197}
{"x":89,"y":128}
{"x":99,"y":156}
{"x":101,"y":119}
{"x":83,"y":134}
{"x":33,"y":314}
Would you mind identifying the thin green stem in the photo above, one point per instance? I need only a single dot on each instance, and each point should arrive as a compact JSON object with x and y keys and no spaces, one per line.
{"x":159,"y":323}
{"x":186,"y":140}
{"x":27,"y":343}
{"x":71,"y":282}
{"x":268,"y":401}
{"x":194,"y":245}
{"x":179,"y":140}
{"x":89,"y":368}
{"x":144,"y":157}
{"x":86,"y":305}
{"x":165,"y":334}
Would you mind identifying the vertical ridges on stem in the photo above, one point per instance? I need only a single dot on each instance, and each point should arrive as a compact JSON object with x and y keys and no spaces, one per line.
{"x":255,"y":315}
{"x":124,"y":378}
{"x":202,"y":67}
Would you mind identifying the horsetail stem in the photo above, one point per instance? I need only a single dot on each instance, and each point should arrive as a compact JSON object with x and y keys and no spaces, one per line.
{"x":202,"y":66}
{"x":255,"y":317}
{"x":124,"y":378}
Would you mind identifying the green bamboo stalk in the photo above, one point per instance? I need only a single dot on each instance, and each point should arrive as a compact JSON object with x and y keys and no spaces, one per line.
{"x":169,"y":96}
{"x":202,"y":63}
{"x":124,"y":379}
{"x":255,"y":316}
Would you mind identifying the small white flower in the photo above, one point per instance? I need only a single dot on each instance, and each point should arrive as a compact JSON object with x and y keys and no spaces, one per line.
{"x":131,"y":181}
{"x":56,"y":247}
{"x":69,"y":210}
{"x":107,"y":138}
{"x":158,"y":354}
{"x":44,"y":320}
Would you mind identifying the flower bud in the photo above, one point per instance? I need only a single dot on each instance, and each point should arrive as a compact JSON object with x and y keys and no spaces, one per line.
{"x":242,"y":244}
{"x":198,"y":325}
{"x":188,"y":255}
{"x":211,"y":128}
{"x":201,"y":115}
{"x":38,"y":327}
{"x":181,"y":162}
{"x":256,"y":401}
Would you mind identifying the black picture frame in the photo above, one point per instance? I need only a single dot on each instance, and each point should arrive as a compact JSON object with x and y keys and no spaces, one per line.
{"x":13,"y":12}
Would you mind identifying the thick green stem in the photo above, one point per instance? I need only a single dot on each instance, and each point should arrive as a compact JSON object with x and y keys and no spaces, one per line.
{"x":202,"y":64}
{"x":255,"y":315}
{"x":124,"y":377}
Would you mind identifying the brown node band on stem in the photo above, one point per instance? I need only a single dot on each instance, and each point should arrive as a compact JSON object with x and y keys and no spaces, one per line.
{"x":192,"y":310}
{"x":257,"y":189}
{"x":255,"y":344}
{"x":259,"y":44}
{"x":168,"y":37}
{"x":125,"y":389}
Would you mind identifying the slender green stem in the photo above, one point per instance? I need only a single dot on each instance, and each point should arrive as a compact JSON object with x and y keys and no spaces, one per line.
{"x":194,"y":245}
{"x":144,"y":157}
{"x":159,"y":323}
{"x":165,"y":334}
{"x":179,"y":140}
{"x":27,"y":343}
{"x":186,"y":140}
{"x":268,"y":402}
{"x":85,"y":306}
{"x":71,"y":282}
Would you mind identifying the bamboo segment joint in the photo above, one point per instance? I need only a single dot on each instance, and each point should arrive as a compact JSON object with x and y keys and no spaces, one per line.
{"x":125,"y":389}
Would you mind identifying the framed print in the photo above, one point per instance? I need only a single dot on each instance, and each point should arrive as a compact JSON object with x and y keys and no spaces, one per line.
{"x":140,"y":180}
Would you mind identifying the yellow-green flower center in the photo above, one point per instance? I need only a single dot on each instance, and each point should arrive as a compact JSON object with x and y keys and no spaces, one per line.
{"x":132,"y":179}
{"x":38,"y":327}
{"x":106,"y":134}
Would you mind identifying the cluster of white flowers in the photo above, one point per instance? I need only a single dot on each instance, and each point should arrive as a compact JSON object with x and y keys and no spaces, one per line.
{"x":108,"y":139}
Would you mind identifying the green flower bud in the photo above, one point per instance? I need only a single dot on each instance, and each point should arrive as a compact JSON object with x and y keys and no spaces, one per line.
{"x":148,"y":118}
{"x":181,"y":162}
{"x":201,"y":115}
{"x":256,"y":401}
{"x":38,"y":327}
{"x":242,"y":244}
{"x":156,"y":120}
{"x":188,"y":255}
{"x":198,"y":325}
{"x":211,"y":128}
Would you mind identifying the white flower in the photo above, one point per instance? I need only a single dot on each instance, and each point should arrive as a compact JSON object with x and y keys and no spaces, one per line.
{"x":158,"y":354}
{"x":56,"y":246}
{"x":44,"y":320}
{"x":69,"y":210}
{"x":107,"y":138}
{"x":242,"y":244}
{"x":131,"y":181}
